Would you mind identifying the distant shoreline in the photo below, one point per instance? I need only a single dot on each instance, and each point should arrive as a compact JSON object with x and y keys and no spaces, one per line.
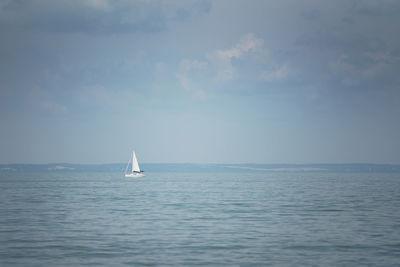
{"x":198,"y":167}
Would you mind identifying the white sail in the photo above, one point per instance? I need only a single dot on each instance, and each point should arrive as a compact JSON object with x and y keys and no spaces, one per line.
{"x":136,"y":172}
{"x":135,"y":164}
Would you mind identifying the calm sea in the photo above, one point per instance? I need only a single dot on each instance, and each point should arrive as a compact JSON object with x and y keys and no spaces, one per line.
{"x":211,"y":219}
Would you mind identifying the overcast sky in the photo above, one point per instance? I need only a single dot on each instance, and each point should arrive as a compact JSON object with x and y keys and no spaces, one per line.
{"x":87,"y":81}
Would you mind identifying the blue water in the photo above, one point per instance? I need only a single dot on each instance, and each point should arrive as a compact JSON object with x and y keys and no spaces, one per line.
{"x":212,"y":219}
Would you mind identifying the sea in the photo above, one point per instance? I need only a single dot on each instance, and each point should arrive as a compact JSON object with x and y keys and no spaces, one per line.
{"x":246,"y":218}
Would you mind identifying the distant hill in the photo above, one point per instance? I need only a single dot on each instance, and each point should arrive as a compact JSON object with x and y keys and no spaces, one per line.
{"x":192,"y":167}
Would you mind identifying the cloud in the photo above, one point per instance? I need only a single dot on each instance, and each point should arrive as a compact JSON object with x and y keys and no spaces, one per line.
{"x":99,"y":4}
{"x":249,"y":49}
{"x":222,"y":59}
{"x":376,"y":7}
{"x":219,"y":66}
{"x":358,"y":69}
{"x":43,"y":100}
{"x":351,"y":44}
{"x":161,"y":76}
{"x":188,"y":69}
{"x":160,"y":67}
{"x":279,"y":73}
{"x":96,"y":16}
{"x":100,"y":96}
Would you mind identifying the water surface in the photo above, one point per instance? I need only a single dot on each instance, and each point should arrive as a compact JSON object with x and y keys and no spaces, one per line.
{"x":213,"y":219}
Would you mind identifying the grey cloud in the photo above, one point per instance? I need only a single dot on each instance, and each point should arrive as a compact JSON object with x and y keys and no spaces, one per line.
{"x":350,"y":47}
{"x":376,"y":7}
{"x":98,"y":17}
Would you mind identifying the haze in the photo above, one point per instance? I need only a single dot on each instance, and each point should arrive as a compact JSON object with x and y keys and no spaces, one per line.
{"x":200,"y":81}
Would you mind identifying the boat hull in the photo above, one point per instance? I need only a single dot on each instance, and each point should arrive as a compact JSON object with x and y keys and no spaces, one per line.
{"x":134,"y":175}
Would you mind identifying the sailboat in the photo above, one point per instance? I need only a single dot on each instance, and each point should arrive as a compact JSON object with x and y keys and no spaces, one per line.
{"x":136,"y":172}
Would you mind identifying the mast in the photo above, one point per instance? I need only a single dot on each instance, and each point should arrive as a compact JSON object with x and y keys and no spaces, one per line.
{"x":133,"y":158}
{"x":127,"y":165}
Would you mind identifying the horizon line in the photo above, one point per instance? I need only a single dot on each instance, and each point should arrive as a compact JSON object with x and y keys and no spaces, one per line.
{"x":207,"y":163}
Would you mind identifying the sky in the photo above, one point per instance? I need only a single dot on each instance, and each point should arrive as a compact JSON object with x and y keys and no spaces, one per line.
{"x":227,"y":81}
